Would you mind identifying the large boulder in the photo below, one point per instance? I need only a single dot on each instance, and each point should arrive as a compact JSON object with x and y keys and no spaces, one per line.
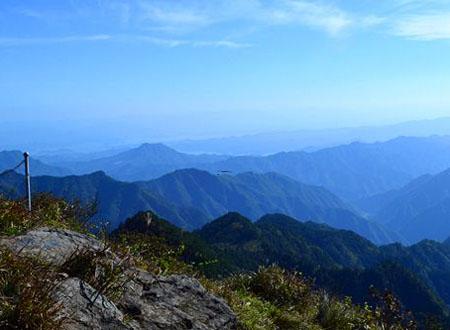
{"x":148,"y":301}
{"x":174,"y":302}
{"x":53,"y":246}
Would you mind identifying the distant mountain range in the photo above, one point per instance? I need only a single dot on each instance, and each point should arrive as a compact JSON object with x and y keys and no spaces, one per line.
{"x":191,"y":198}
{"x":63,"y":156}
{"x":351,"y":171}
{"x":394,"y":183}
{"x":355,"y":170}
{"x":270,"y":143}
{"x":146,"y":162}
{"x":419,"y":209}
{"x":339,"y":260}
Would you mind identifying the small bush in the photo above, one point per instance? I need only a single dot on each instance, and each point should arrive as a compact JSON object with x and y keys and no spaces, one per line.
{"x":153,"y":254}
{"x":251,"y":311}
{"x":342,"y":315}
{"x":279,"y":286}
{"x":390,"y":312}
{"x":273,"y":298}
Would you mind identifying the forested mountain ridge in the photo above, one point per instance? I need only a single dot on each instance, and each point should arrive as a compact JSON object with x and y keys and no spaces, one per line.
{"x":139,"y":280}
{"x":254,"y":195}
{"x":339,"y":260}
{"x":191,"y":198}
{"x":115,"y":200}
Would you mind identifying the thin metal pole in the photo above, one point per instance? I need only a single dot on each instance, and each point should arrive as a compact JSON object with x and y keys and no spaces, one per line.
{"x":26,"y":155}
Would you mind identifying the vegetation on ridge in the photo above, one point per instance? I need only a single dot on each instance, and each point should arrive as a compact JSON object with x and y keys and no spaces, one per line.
{"x":270,"y":298}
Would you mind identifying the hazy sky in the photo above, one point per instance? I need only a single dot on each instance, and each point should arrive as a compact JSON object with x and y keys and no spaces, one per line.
{"x":216,"y":67}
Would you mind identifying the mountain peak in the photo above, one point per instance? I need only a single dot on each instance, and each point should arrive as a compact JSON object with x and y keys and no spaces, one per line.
{"x":276,"y":218}
{"x":97,"y":174}
{"x":231,"y":228}
{"x":154,"y":147}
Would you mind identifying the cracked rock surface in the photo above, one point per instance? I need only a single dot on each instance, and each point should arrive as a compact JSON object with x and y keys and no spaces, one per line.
{"x":148,"y":301}
{"x":174,"y":302}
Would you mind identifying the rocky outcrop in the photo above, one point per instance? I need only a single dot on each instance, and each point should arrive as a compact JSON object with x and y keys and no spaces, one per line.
{"x":173,"y":302}
{"x":84,"y":309}
{"x":54,"y":246}
{"x":148,"y":301}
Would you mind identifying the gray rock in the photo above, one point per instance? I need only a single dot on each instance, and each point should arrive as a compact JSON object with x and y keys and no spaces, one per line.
{"x":82,"y":308}
{"x":149,"y":301}
{"x":174,"y":302}
{"x":51,"y":245}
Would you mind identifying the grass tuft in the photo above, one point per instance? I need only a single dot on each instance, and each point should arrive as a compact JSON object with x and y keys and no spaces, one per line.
{"x":48,"y":211}
{"x":26,"y":286}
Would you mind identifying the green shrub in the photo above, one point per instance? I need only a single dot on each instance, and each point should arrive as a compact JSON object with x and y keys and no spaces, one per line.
{"x":273,"y":298}
{"x":153,"y":254}
{"x":251,"y":311}
{"x":341,"y":315}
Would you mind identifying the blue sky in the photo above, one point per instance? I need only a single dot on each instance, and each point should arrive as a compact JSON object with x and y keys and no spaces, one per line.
{"x":197,"y":68}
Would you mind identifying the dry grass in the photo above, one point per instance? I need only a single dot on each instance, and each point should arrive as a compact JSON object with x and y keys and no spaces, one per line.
{"x":26,"y":286}
{"x":105,"y":273}
{"x":47,"y":211}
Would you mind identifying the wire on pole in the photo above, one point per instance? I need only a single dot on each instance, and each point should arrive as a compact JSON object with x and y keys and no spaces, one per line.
{"x":14,"y":168}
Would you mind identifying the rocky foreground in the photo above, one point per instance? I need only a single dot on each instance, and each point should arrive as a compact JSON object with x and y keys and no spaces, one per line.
{"x":146,"y":301}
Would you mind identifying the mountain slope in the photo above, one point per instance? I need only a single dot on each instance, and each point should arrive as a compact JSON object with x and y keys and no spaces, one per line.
{"x":283,"y":240}
{"x":419,"y":210}
{"x":375,"y":203}
{"x":115,"y":200}
{"x":429,"y":259}
{"x":339,"y":260}
{"x":254,"y":195}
